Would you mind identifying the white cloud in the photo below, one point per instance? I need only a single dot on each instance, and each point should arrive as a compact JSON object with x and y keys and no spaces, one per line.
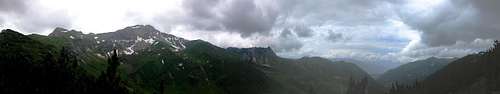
{"x":100,"y":16}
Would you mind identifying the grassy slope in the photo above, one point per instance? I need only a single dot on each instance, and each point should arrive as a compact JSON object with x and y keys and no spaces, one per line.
{"x":92,"y":63}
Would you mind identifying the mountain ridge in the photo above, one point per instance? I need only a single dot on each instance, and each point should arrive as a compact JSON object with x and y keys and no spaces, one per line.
{"x":127,"y":40}
{"x":149,"y":58}
{"x":412,"y":72}
{"x":476,"y":73}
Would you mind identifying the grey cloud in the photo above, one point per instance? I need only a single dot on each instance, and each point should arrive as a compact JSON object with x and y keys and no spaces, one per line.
{"x":287,"y":44}
{"x":341,"y":12}
{"x":202,"y":14}
{"x":201,"y":8}
{"x":460,"y":20}
{"x":17,"y":6}
{"x":286,"y":33}
{"x":298,"y":31}
{"x":334,"y":37}
{"x":39,"y":22}
{"x":303,"y":31}
{"x":27,"y":17}
{"x":457,"y":20}
{"x":249,"y":17}
{"x":242,"y":16}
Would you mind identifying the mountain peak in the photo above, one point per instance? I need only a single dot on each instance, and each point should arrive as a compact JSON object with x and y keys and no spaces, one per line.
{"x":10,"y":33}
{"x":438,"y":59}
{"x":259,"y":55}
{"x":432,"y":58}
{"x":139,"y":28}
{"x":254,"y":51}
{"x":315,"y":58}
{"x":59,"y":31}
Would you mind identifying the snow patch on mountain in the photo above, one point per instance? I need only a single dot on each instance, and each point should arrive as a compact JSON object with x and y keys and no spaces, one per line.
{"x":129,"y":40}
{"x":150,"y":41}
{"x":139,"y":39}
{"x":99,"y":55}
{"x":130,"y":50}
{"x":177,"y":43}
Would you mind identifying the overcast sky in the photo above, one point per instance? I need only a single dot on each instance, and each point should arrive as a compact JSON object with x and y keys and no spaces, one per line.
{"x":387,"y":31}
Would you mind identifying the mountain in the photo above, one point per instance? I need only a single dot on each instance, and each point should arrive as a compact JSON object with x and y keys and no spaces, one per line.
{"x":309,"y":75}
{"x":154,"y":62}
{"x":473,"y":74}
{"x":151,"y":59}
{"x":30,"y":66}
{"x":127,"y":40}
{"x":409,"y":73}
{"x":260,"y":56}
{"x":373,"y":68}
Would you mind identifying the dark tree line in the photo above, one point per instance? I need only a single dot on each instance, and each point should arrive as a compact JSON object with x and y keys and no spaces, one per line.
{"x":54,"y":74}
{"x":110,"y":81}
{"x":357,"y":87}
{"x":397,"y":88}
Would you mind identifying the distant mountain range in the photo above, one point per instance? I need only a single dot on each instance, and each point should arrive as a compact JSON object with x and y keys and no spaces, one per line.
{"x":412,"y":72}
{"x":154,"y":62}
{"x":473,"y":74}
{"x":375,"y":69}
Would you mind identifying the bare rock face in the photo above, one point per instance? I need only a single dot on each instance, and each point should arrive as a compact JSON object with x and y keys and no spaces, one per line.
{"x":257,"y":55}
